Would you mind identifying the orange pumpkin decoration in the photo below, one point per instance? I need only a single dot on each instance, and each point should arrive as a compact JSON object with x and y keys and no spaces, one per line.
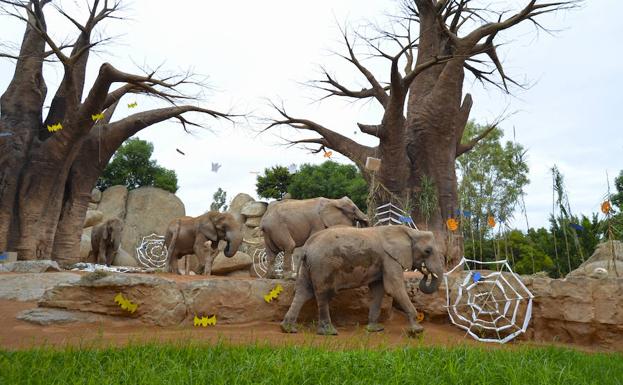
{"x":420,"y":316}
{"x":328,"y":154}
{"x":452,"y":224}
{"x":491,"y":221}
{"x":606,"y":207}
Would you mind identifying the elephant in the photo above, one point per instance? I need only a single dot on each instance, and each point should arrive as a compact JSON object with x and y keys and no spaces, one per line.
{"x":190,"y":235}
{"x":346,"y":257}
{"x":287,"y":224}
{"x":105,"y":240}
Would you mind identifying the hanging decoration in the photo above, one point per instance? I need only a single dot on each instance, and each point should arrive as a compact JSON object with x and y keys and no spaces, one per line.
{"x":373,"y":164}
{"x":260,"y":262}
{"x":205,"y":321}
{"x":452,"y":224}
{"x":97,"y":117}
{"x":55,"y":127}
{"x":576,"y":227}
{"x":274,"y":293}
{"x":132,"y":105}
{"x":491,"y":221}
{"x":328,"y":154}
{"x":606,"y":207}
{"x":215,"y":167}
{"x":152,"y":252}
{"x":490,"y":302}
{"x":292,"y":168}
{"x":125,"y":303}
{"x":5,"y":134}
{"x":180,"y":151}
{"x":390,"y":214}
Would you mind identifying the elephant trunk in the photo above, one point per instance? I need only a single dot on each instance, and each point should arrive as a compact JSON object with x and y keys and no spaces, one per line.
{"x":234,"y":240}
{"x":435,"y":267}
{"x":361,"y":218}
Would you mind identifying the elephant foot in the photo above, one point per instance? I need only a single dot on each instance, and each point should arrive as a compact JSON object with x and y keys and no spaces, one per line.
{"x":290,"y":276}
{"x":414,"y":330}
{"x":288,"y":327}
{"x":326,"y":330}
{"x":374,"y":327}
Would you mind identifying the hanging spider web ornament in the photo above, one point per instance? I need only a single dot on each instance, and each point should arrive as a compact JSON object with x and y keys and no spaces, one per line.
{"x":152,"y":251}
{"x":488,"y":301}
{"x":260,"y":262}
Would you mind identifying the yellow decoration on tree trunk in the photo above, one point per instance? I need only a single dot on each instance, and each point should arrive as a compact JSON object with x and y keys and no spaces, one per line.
{"x":55,"y":127}
{"x":452,"y":224}
{"x":97,"y":117}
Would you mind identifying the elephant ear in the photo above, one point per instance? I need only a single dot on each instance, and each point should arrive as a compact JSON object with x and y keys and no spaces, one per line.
{"x":208,"y":229}
{"x":397,"y":244}
{"x":331,"y":213}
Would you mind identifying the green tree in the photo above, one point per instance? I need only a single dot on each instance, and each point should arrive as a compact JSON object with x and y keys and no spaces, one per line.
{"x":329,"y":180}
{"x":132,"y":167}
{"x":274,"y":183}
{"x":617,"y":198}
{"x":218,"y":200}
{"x":492,"y":180}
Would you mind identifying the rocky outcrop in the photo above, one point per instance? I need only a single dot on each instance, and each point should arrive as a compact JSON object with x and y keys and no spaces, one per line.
{"x":223,"y":265}
{"x":37,"y":266}
{"x":50,"y":316}
{"x":166,"y":303}
{"x":113,"y":202}
{"x":93,"y":218}
{"x":30,"y":287}
{"x":149,"y":211}
{"x":160,"y":302}
{"x":235,"y":207}
{"x":606,"y":261}
{"x":254,"y":209}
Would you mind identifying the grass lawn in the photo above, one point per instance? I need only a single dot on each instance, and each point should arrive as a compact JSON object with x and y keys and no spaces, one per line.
{"x":191,"y":363}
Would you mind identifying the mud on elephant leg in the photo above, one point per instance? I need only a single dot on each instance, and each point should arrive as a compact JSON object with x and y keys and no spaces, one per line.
{"x":377,"y":291}
{"x":325,"y":327}
{"x":302,"y":294}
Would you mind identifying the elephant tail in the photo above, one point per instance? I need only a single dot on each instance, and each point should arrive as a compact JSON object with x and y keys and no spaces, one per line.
{"x":175,"y":232}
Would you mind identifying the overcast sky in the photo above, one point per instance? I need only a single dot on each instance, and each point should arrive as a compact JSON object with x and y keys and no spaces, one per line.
{"x":254,"y":51}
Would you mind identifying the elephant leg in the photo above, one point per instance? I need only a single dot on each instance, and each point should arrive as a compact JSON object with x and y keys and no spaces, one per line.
{"x":376,"y":290}
{"x":396,"y":288}
{"x":270,"y":264}
{"x":173,"y":263}
{"x":324,"y":317}
{"x":288,"y":272}
{"x":101,"y":256}
{"x":205,"y":255}
{"x":302,"y":294}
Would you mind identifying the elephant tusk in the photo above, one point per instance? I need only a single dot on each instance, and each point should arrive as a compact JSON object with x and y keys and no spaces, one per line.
{"x":434,"y":275}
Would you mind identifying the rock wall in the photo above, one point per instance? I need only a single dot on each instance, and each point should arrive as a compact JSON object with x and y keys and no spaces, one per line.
{"x":578,"y":310}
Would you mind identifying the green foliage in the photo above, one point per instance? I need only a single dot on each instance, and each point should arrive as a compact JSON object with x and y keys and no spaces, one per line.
{"x":132,"y":167}
{"x":329,"y":180}
{"x":274,"y":183}
{"x":492,"y":176}
{"x":188,"y":363}
{"x":617,"y":198}
{"x":218,"y":200}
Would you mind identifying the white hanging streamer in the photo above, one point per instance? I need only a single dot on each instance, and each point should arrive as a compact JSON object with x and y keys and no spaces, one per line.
{"x":485,"y":298}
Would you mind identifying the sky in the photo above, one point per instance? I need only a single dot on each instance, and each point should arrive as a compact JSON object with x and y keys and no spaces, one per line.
{"x":254,"y":52}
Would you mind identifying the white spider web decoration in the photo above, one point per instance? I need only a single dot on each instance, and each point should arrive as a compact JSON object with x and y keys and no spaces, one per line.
{"x":390,"y":214}
{"x":260,"y":263}
{"x":490,"y":305}
{"x":152,"y":252}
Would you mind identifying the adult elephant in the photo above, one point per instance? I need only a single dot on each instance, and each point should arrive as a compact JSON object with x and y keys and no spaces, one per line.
{"x":287,"y":224}
{"x":345,"y":257}
{"x":190,"y":235}
{"x":105,"y":241}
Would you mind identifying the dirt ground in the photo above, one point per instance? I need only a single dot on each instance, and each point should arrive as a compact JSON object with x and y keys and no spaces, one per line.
{"x":17,"y":334}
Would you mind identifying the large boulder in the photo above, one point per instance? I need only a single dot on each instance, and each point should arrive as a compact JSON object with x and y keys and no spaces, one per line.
{"x":235,"y":207}
{"x":236,"y":301}
{"x":49,"y":316}
{"x":31,"y":286}
{"x":113,"y":202}
{"x":37,"y":266}
{"x":93,"y":218}
{"x":160,"y":301}
{"x":85,"y":244}
{"x":123,"y":258}
{"x":149,"y":210}
{"x":223,"y":265}
{"x":606,"y":261}
{"x":254,"y":209}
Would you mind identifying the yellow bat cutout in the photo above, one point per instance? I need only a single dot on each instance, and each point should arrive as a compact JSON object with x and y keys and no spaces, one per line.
{"x":274,"y":293}
{"x":55,"y":127}
{"x":132,"y":105}
{"x":125,"y":304}
{"x":97,"y":117}
{"x":205,"y":321}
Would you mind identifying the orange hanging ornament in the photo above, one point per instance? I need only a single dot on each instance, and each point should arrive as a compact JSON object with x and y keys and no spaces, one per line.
{"x":606,"y":207}
{"x":452,"y":224}
{"x":491,"y":221}
{"x":328,"y":154}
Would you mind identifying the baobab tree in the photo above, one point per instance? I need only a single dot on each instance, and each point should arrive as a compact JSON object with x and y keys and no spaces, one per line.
{"x":425,"y":111}
{"x":50,"y":160}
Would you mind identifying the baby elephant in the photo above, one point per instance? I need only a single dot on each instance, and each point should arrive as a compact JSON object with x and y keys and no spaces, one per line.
{"x":345,"y":257}
{"x":105,"y":240}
